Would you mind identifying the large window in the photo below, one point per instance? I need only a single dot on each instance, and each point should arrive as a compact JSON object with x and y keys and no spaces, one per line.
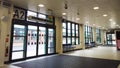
{"x":110,"y":38}
{"x":88,"y":34}
{"x":70,"y":35}
{"x":98,"y":35}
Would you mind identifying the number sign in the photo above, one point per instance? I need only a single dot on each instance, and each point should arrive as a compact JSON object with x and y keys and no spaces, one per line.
{"x":19,"y":14}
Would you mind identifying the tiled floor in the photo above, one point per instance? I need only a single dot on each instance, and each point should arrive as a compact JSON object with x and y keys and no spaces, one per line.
{"x":103,"y":52}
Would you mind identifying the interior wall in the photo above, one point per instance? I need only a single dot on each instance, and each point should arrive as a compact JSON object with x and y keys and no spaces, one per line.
{"x":5,"y":25}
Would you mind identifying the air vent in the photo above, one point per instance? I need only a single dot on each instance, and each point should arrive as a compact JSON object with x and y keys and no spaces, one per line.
{"x":5,"y":4}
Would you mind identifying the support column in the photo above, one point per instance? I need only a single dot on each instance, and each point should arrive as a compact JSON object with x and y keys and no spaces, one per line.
{"x":82,"y":36}
{"x":59,"y":46}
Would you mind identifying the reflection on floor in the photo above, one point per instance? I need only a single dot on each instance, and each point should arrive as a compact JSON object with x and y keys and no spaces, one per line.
{"x":103,"y":52}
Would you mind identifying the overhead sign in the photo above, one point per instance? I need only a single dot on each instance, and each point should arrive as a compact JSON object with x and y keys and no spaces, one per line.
{"x":19,"y":14}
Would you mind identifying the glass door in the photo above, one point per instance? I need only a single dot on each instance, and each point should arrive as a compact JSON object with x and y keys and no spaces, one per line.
{"x":51,"y":45}
{"x":18,"y":45}
{"x":31,"y":41}
{"x":42,"y":41}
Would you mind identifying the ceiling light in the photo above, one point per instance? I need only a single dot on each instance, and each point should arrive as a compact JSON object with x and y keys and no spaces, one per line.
{"x":110,"y":20}
{"x":77,"y":18}
{"x":105,"y":15}
{"x":63,"y":13}
{"x":99,"y":26}
{"x":87,"y":22}
{"x":95,"y":8}
{"x":41,"y":5}
{"x":93,"y":24}
{"x":114,"y":23}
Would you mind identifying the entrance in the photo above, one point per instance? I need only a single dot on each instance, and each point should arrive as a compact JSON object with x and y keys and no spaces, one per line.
{"x":31,"y":40}
{"x":111,"y":40}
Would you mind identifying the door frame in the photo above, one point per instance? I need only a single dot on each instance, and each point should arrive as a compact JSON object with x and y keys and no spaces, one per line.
{"x":26,"y":23}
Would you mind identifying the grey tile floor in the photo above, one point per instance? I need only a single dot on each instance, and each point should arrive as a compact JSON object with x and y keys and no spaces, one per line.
{"x":101,"y":52}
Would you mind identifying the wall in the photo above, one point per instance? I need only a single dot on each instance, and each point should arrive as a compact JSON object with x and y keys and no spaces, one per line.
{"x":5,"y":25}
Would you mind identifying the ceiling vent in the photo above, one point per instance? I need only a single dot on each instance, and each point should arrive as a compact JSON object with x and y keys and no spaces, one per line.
{"x":6,"y":4}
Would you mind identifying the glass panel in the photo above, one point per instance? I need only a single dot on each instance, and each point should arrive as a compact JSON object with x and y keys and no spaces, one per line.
{"x":77,"y":27}
{"x":17,"y":55}
{"x":64,"y":25}
{"x":113,"y":37}
{"x":64,"y":32}
{"x":42,"y":16}
{"x":19,"y":30}
{"x":73,"y":41}
{"x":30,"y":13}
{"x":69,"y":40}
{"x":64,"y":40}
{"x":69,"y":25}
{"x":50,"y":40}
{"x":114,"y":42}
{"x":18,"y":43}
{"x":76,"y":33}
{"x":50,"y":50}
{"x":77,"y":40}
{"x":73,"y":26}
{"x":109,"y":42}
{"x":32,"y":41}
{"x":69,"y":32}
{"x":42,"y":41}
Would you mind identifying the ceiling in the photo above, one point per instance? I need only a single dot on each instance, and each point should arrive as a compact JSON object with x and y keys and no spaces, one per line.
{"x":84,"y":7}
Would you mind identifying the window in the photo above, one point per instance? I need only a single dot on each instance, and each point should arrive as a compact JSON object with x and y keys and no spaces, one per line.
{"x":70,"y":34}
{"x":30,"y":13}
{"x":88,"y":34}
{"x":98,"y":36}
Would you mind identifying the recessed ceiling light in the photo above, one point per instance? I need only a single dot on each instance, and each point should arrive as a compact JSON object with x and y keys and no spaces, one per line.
{"x":87,"y":22}
{"x":41,"y":5}
{"x":110,"y":20}
{"x":63,"y":13}
{"x":77,"y":18}
{"x":95,"y":8}
{"x":99,"y":26}
{"x":105,"y":15}
{"x":114,"y":23}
